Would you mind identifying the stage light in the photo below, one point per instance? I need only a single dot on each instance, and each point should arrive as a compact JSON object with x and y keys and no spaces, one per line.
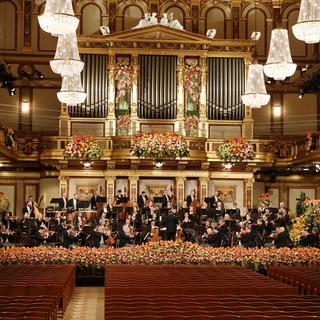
{"x":227,"y":165}
{"x":277,"y":111}
{"x":301,"y":93}
{"x":25,"y":106}
{"x":87,"y":164}
{"x":158,"y":164}
{"x":1,"y":164}
{"x":39,"y":74}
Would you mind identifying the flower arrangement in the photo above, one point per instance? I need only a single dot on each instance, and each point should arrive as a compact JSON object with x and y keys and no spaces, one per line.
{"x":4,"y":202}
{"x":123,"y":121}
{"x":191,"y":122}
{"x":82,"y":147}
{"x":265,"y":198}
{"x":191,"y":83}
{"x":8,"y":136}
{"x":236,"y":149}
{"x":159,"y":145}
{"x":308,"y":221}
{"x":93,"y":260}
{"x":123,"y":78}
{"x":282,"y":149}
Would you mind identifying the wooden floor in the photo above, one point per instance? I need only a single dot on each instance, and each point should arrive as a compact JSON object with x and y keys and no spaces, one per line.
{"x":87,"y":303}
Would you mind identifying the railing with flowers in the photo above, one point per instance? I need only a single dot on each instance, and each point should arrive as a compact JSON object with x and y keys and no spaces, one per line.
{"x":82,"y":147}
{"x":159,"y":145}
{"x":123,"y":124}
{"x":123,"y":80}
{"x":191,"y":125}
{"x":236,"y":149}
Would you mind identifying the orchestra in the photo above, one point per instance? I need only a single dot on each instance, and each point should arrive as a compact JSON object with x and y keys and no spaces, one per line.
{"x":118,"y":222}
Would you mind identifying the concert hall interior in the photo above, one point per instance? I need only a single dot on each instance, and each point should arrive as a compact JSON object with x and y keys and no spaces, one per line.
{"x":161,"y":126}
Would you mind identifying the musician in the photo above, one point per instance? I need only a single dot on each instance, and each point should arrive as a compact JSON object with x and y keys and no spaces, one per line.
{"x":219,"y":211}
{"x":119,"y":196}
{"x":171,"y":222}
{"x":184,"y":208}
{"x":29,"y":207}
{"x":6,"y":221}
{"x":247,"y":237}
{"x":68,"y":237}
{"x":142,"y":199}
{"x":212,"y":237}
{"x":40,"y":221}
{"x":96,"y":198}
{"x":166,"y":199}
{"x":63,"y":202}
{"x":187,"y":226}
{"x":283,"y":211}
{"x":282,"y":239}
{"x":73,"y":203}
{"x":191,"y":197}
{"x":235,"y":211}
{"x":215,"y":199}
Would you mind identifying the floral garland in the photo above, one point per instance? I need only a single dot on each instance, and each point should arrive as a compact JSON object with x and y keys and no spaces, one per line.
{"x":123,"y":121}
{"x":159,"y":145}
{"x":4,"y":202}
{"x":93,"y":260}
{"x":191,"y":83}
{"x":8,"y":136}
{"x":191,"y":122}
{"x":123,"y":78}
{"x":282,"y":149}
{"x":82,"y":147}
{"x":236,"y":149}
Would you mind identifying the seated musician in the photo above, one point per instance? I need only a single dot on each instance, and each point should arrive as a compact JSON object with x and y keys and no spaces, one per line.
{"x":40,"y":221}
{"x":235,"y":211}
{"x":136,"y":219}
{"x":247,"y":237}
{"x":68,"y":237}
{"x":215,"y":199}
{"x":282,"y":238}
{"x":205,"y":211}
{"x":188,"y":231}
{"x":212,"y":237}
{"x":165,"y":200}
{"x":145,"y":211}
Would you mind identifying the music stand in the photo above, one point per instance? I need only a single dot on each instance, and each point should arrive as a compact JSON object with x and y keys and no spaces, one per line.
{"x":102,"y":200}
{"x":158,"y":199}
{"x":55,"y":201}
{"x":84,"y":204}
{"x":122,"y":200}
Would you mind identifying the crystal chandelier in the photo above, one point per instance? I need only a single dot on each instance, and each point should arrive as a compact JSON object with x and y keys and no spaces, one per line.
{"x":71,"y":92}
{"x":58,"y":17}
{"x":255,"y":94}
{"x":307,"y":28}
{"x":279,"y":63}
{"x":67,"y":60}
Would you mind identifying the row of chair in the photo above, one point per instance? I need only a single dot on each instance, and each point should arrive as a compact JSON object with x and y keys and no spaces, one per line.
{"x":24,"y":307}
{"x":306,"y":279}
{"x":38,"y":280}
{"x":201,"y":292}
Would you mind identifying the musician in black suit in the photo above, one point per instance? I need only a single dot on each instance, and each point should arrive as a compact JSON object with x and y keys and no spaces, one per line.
{"x":282,"y":239}
{"x":73,"y":203}
{"x":29,"y":208}
{"x":215,"y":199}
{"x":191,"y":197}
{"x":166,"y":199}
{"x":142,"y":199}
{"x":63,"y":202}
{"x":171,"y":222}
{"x":96,"y":198}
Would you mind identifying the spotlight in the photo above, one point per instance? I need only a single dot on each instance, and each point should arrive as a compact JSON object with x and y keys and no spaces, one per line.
{"x":39,"y":74}
{"x":87,"y":164}
{"x":227,"y":165}
{"x":301,"y":93}
{"x":24,"y":74}
{"x":158,"y":164}
{"x":211,"y":33}
{"x":1,"y":164}
{"x":104,"y":30}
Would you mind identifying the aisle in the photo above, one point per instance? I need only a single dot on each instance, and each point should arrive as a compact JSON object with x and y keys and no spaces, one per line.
{"x":87,"y":303}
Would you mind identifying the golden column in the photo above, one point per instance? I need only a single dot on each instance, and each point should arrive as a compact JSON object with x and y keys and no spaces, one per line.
{"x":110,"y":183}
{"x":111,"y":118}
{"x":134,"y":96}
{"x":203,"y":120}
{"x":180,"y":96}
{"x":133,"y":187}
{"x":204,"y":186}
{"x":248,"y":196}
{"x":180,"y":183}
{"x":63,"y":185}
{"x":247,"y":123}
{"x":64,"y":121}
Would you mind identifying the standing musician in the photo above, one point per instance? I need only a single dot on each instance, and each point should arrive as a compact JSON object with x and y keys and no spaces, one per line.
{"x":73,"y":203}
{"x":191,"y":198}
{"x":166,"y":199}
{"x":215,"y":199}
{"x":142,"y":199}
{"x":63,"y":202}
{"x":96,"y":198}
